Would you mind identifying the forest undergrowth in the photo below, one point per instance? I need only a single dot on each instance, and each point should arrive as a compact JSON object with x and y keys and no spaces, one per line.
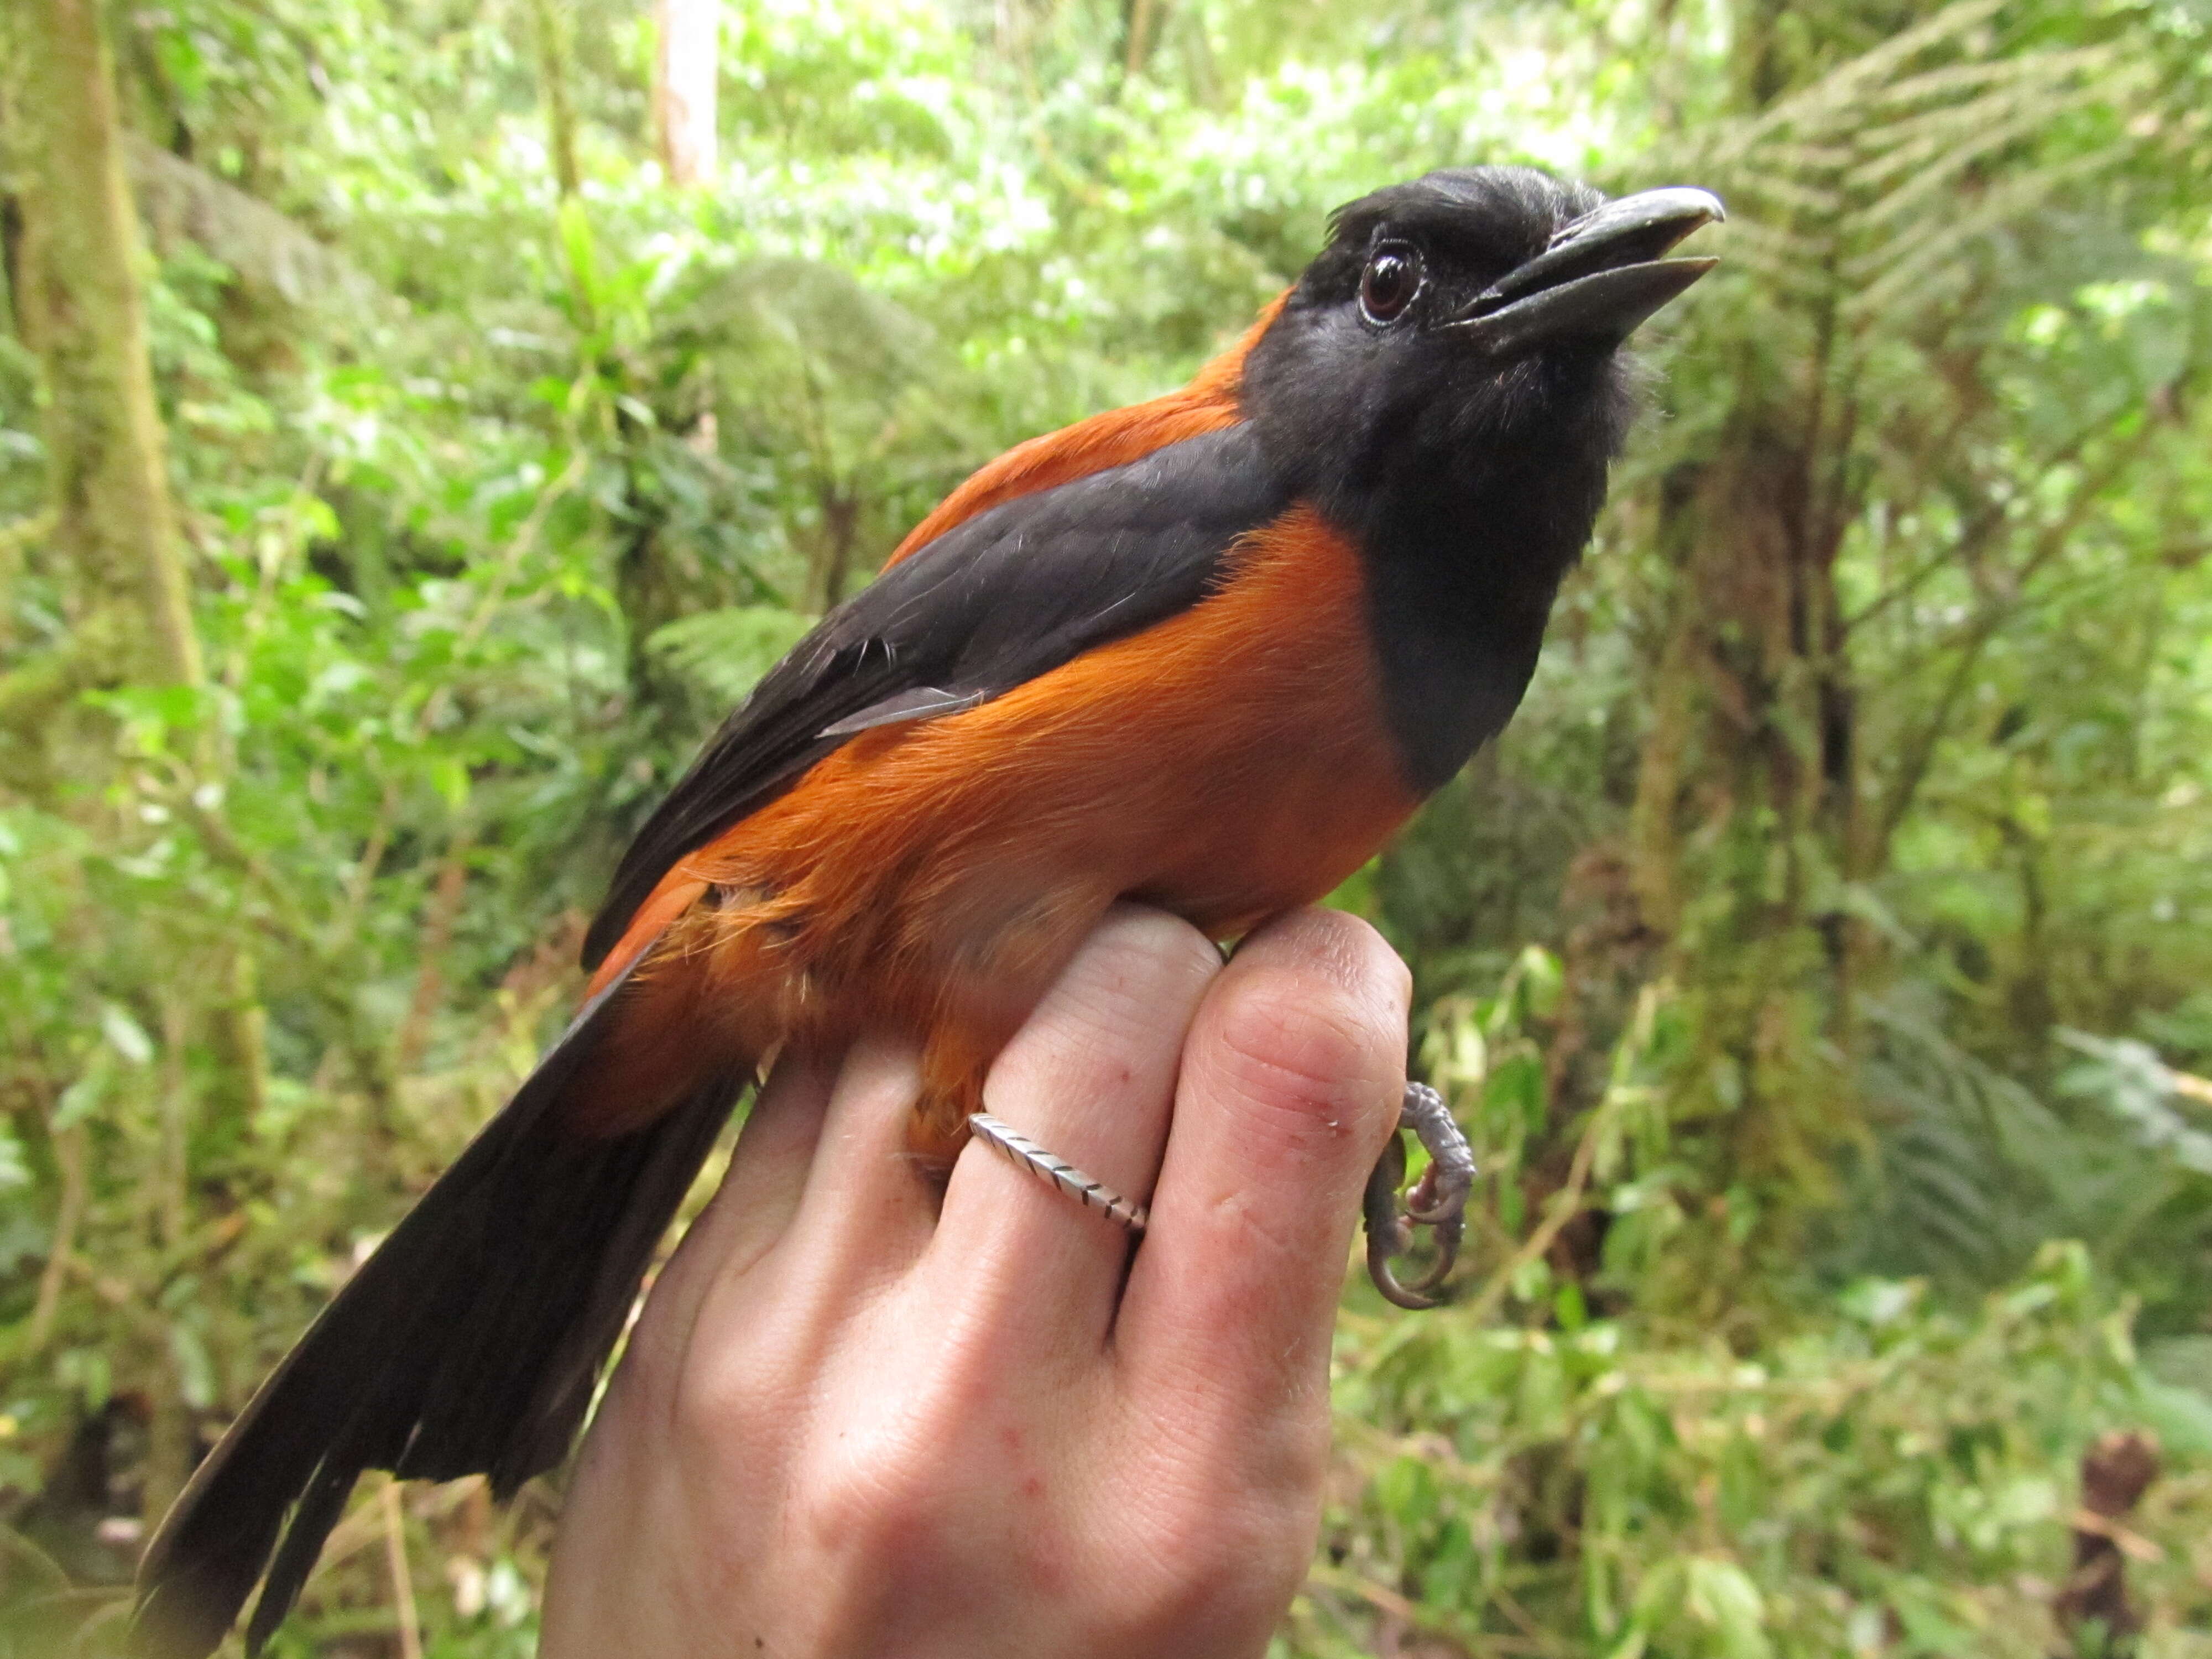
{"x":1819,"y":963}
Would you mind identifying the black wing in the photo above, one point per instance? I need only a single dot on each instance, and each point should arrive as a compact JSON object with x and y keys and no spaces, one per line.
{"x":1000,"y":599}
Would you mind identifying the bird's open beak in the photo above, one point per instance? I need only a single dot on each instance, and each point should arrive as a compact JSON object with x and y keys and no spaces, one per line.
{"x":1602,"y":277}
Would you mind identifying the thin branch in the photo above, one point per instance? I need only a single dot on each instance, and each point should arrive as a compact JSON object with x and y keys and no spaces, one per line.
{"x":1920,"y":753}
{"x":365,"y":869}
{"x":70,"y":1152}
{"x":1973,"y":635}
{"x":403,"y":1580}
{"x":1413,"y":1615}
{"x":25,"y":531}
{"x":1979,"y":531}
{"x":445,"y":896}
{"x":1562,"y":1208}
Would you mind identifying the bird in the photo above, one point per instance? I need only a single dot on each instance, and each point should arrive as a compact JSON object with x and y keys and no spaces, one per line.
{"x":1207,"y":653}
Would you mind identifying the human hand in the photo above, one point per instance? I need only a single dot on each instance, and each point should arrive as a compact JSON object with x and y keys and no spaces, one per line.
{"x":853,"y":1421}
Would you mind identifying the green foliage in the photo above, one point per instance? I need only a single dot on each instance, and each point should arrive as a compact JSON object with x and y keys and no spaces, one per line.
{"x":1891,"y":1477}
{"x":1825,"y":941}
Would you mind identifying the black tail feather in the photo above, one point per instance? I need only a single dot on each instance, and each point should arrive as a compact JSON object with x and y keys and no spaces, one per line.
{"x":469,"y":1343}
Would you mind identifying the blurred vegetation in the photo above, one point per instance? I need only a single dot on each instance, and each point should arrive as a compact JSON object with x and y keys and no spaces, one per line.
{"x":1820,"y":962}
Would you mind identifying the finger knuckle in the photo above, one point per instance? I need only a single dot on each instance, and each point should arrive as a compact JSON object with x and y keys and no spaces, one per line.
{"x":1167,"y":943}
{"x":869,"y":1500}
{"x":716,"y":1411}
{"x":1206,"y":1559}
{"x":1143,"y":968}
{"x":1307,"y":1047}
{"x":1343,"y":948}
{"x":878,"y":1481}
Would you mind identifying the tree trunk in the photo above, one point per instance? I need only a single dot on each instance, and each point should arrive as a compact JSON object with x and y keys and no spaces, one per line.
{"x":85,"y":314}
{"x":1140,"y":24}
{"x":2091,"y":1608}
{"x":684,"y":88}
{"x":83,"y":311}
{"x":831,"y":564}
{"x":1739,"y":833}
{"x":553,"y":84}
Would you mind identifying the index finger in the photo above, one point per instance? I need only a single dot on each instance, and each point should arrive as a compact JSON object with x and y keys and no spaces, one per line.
{"x":1290,"y":1082}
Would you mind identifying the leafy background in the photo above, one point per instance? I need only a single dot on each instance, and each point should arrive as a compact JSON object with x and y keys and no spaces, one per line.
{"x":1820,"y":962}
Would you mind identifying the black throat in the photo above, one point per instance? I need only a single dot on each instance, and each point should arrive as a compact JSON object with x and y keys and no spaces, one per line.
{"x":1460,"y":582}
{"x":1467,"y":513}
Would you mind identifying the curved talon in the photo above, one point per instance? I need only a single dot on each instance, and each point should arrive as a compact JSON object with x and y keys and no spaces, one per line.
{"x":1437,"y":1200}
{"x":1426,"y":1203}
{"x":1378,"y":1269}
{"x":1387,"y":1233}
{"x":1447,"y":1239}
{"x":1379,"y":1204}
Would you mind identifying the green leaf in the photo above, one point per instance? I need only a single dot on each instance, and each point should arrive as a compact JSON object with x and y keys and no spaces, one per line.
{"x":2181,"y":1416}
{"x":124,"y":1034}
{"x":1406,"y":1491}
{"x":726,"y":651}
{"x":1879,"y":1302}
{"x":1543,"y":978}
{"x":87,"y":1094}
{"x":1569,"y":1308}
{"x":582,"y":250}
{"x":1721,"y":1595}
{"x":195,"y":1369}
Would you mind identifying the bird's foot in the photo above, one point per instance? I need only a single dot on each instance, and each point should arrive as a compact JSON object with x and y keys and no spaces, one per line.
{"x":1439,"y":1201}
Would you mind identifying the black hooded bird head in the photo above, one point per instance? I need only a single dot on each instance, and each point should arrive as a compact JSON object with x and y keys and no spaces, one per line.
{"x":1464,"y":326}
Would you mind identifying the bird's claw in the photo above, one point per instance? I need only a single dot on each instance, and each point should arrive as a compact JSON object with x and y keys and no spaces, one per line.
{"x":1438,"y":1201}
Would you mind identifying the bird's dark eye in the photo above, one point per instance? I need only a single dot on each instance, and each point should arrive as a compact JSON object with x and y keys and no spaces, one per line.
{"x":1391,"y":280}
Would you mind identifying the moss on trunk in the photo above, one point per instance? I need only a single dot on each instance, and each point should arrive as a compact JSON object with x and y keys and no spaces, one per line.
{"x":113,"y":525}
{"x":84,"y":310}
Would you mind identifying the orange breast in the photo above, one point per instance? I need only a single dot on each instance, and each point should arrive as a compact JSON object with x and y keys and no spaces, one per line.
{"x":1225,"y":764}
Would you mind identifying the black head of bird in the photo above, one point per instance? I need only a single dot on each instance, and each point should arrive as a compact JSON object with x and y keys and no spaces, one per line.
{"x":1466,"y":325}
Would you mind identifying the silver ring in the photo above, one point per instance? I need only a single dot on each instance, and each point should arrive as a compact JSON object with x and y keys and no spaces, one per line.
{"x":1026,"y":1154}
